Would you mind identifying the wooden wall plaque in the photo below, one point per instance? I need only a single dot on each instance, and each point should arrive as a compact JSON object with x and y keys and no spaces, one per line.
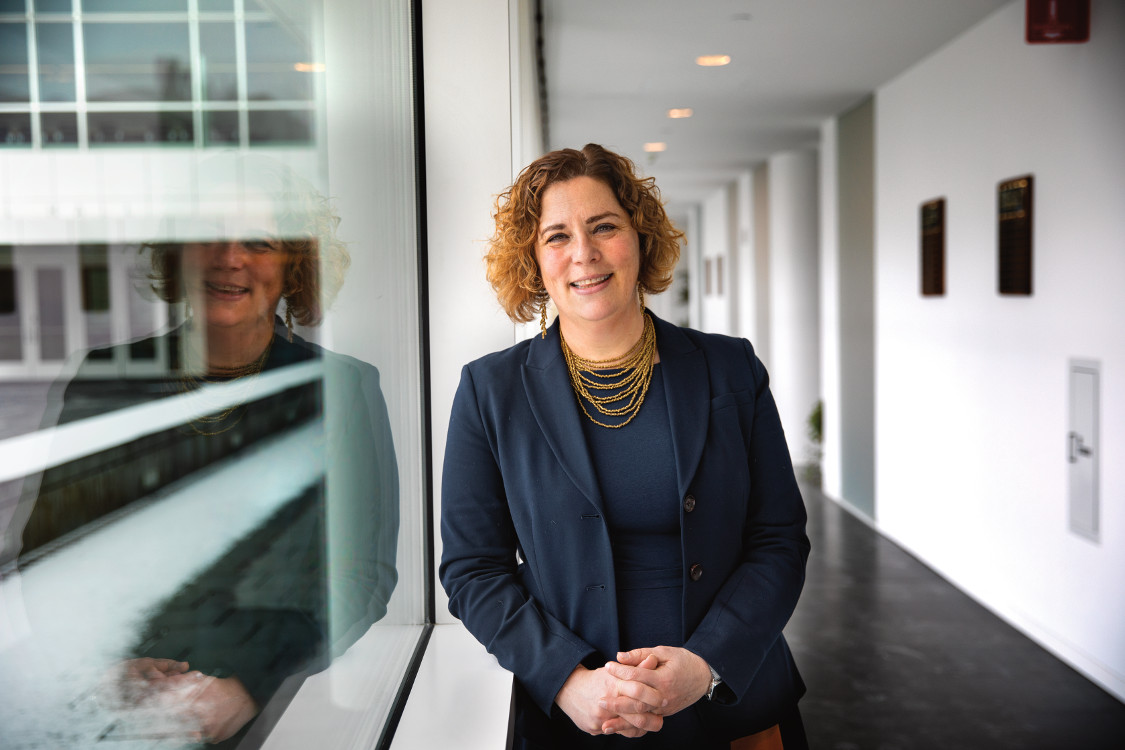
{"x":1014,"y":199}
{"x":932,"y":224}
{"x":1057,"y":21}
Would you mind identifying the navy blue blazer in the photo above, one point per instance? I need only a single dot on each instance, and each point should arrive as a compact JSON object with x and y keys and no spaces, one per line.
{"x":526,"y":556}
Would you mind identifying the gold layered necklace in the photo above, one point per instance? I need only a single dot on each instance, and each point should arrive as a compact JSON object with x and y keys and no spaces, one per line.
{"x":627,"y":377}
{"x":212,"y":424}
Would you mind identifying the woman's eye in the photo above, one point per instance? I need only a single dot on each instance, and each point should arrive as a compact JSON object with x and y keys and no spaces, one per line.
{"x":258,"y":246}
{"x":603,"y":228}
{"x":558,"y":237}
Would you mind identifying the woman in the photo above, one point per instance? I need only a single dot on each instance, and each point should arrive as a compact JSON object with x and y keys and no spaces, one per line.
{"x":285,"y":597}
{"x":621,"y":526}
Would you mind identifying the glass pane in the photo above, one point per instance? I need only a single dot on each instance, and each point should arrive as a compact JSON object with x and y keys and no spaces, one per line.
{"x":277,"y":126}
{"x":11,"y":342}
{"x":120,"y":128}
{"x":15,"y":86}
{"x":216,"y":6}
{"x":15,"y":130}
{"x":12,"y":6}
{"x":59,"y":128}
{"x":95,"y":277}
{"x":133,"y":6}
{"x":221,"y":128}
{"x":137,"y":62}
{"x":52,"y":6}
{"x":56,"y":61}
{"x":52,"y":328}
{"x":218,"y":61}
{"x":94,"y":260}
{"x":288,"y":468}
{"x":277,"y":63}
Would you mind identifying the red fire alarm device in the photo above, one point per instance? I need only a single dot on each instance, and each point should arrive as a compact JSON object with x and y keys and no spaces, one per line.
{"x":1058,"y":21}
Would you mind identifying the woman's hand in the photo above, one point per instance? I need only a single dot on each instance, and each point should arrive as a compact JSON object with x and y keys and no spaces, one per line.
{"x":599,"y":703}
{"x":680,"y":677}
{"x":133,"y":680}
{"x":219,"y":707}
{"x":163,"y":694}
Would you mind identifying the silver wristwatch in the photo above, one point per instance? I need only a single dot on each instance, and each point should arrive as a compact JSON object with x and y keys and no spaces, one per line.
{"x":715,"y":682}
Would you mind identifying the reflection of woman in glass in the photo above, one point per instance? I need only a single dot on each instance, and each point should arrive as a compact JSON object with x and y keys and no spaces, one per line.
{"x":309,"y":580}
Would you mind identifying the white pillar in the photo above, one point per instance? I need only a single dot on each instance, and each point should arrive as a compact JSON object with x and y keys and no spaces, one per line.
{"x":794,"y":293}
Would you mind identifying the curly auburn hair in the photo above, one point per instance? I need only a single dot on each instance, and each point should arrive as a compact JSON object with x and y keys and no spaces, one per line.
{"x":316,"y":258}
{"x":512,"y":268}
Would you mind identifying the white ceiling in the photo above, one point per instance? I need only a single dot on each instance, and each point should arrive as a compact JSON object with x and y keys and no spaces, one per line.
{"x":615,"y":67}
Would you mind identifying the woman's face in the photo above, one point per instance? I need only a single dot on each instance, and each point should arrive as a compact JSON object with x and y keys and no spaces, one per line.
{"x":589,"y":253}
{"x":236,"y":283}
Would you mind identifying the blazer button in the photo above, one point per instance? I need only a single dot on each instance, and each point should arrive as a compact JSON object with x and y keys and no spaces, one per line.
{"x":696,"y":572}
{"x":689,"y":503}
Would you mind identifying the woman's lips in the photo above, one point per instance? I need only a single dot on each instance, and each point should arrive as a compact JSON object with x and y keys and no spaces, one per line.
{"x":591,"y":283}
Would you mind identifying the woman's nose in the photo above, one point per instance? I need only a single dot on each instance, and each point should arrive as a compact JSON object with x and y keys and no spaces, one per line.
{"x":228,"y":254}
{"x":585,"y":249}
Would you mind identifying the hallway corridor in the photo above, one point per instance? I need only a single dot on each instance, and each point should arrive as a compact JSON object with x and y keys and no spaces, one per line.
{"x":896,"y":658}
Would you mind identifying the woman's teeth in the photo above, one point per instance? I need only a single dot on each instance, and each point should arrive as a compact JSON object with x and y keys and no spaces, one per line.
{"x":228,"y":288}
{"x":590,"y":282}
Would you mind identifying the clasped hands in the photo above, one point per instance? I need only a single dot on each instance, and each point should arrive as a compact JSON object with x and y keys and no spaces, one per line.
{"x":178,"y":702}
{"x":631,"y":696}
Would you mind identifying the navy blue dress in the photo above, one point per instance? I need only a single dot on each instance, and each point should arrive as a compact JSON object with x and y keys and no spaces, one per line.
{"x":635,"y":467}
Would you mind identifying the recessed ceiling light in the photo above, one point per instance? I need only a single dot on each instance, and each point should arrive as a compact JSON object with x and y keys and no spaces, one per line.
{"x":655,"y":147}
{"x":679,"y":114}
{"x":306,"y":67}
{"x":712,"y":61}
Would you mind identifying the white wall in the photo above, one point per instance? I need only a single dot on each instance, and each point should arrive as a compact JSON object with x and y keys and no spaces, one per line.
{"x":794,"y":363}
{"x":855,"y":196}
{"x":468,"y":160}
{"x":829,"y":312}
{"x":971,"y":387}
{"x":760,"y":210}
{"x":746,"y":304}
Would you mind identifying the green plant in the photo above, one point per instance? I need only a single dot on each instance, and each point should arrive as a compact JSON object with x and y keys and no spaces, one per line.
{"x":815,"y":423}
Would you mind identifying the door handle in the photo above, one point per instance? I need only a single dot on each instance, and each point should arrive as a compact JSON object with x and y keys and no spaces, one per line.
{"x":1074,"y":443}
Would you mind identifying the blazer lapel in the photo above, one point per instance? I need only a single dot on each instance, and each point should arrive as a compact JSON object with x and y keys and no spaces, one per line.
{"x":548,"y":388}
{"x":688,"y":390}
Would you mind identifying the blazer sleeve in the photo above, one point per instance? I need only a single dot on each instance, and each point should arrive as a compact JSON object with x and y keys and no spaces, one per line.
{"x":479,"y":567}
{"x":746,"y":617}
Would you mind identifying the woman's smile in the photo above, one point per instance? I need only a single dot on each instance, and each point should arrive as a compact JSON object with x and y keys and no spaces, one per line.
{"x":223,"y":291}
{"x":591,"y":284}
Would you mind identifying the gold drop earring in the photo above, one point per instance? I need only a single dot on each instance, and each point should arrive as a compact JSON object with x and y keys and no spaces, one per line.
{"x":543,"y":317}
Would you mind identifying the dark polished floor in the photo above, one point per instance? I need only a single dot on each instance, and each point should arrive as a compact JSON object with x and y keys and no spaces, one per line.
{"x":896,"y":658}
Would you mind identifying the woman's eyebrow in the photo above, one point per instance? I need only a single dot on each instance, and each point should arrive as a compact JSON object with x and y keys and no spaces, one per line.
{"x":599,"y":217}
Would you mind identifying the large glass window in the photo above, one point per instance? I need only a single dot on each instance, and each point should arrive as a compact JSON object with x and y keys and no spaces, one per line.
{"x":212,"y":466}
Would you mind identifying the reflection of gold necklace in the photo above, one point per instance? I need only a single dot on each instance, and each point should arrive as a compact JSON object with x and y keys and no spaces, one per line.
{"x":244,"y":374}
{"x":628,"y":375}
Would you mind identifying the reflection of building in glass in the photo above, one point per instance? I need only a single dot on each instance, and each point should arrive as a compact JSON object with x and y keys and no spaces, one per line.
{"x":113,"y":73}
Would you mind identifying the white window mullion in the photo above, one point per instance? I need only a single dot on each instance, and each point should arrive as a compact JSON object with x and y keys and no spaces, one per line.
{"x":241,"y":64}
{"x":80,"y":104}
{"x":33,"y":76}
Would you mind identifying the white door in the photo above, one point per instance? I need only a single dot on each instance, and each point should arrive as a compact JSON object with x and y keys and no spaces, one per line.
{"x":1082,"y":448}
{"x":46,"y":312}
